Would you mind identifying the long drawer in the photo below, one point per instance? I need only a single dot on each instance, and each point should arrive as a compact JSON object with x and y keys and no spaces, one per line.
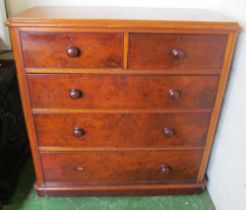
{"x":134,"y":167}
{"x":176,"y":51}
{"x":85,"y":91}
{"x":121,"y":129}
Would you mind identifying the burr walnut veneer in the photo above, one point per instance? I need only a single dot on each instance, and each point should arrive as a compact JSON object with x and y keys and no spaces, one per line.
{"x":121,"y":101}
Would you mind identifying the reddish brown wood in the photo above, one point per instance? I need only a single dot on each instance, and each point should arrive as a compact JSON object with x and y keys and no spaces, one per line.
{"x":218,"y":104}
{"x":126,"y":99}
{"x":41,"y":49}
{"x":69,"y":190}
{"x":176,"y":51}
{"x":135,"y":167}
{"x":121,"y":130}
{"x":122,"y":91}
{"x":77,"y":50}
{"x":26,"y":104}
{"x":122,"y":72}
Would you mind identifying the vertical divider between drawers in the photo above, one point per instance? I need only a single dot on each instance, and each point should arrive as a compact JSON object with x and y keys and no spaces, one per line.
{"x":125,"y":50}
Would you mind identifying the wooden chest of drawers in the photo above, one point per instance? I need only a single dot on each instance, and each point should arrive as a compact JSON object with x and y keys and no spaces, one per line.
{"x":121,"y":101}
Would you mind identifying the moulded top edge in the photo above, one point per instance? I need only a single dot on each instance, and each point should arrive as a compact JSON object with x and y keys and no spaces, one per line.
{"x":107,"y":17}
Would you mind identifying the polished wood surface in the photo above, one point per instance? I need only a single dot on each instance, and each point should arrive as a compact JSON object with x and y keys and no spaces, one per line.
{"x":121,"y":101}
{"x":218,"y":105}
{"x":124,"y":71}
{"x":122,"y":91}
{"x":26,"y":105}
{"x":126,"y":18}
{"x":176,"y":51}
{"x":78,"y":50}
{"x":134,"y":167}
{"x":121,"y":129}
{"x":70,"y":190}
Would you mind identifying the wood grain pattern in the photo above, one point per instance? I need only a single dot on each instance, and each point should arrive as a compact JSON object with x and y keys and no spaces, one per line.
{"x":134,"y":167}
{"x":121,"y":130}
{"x":154,"y":51}
{"x":122,"y":91}
{"x":40,"y":49}
{"x":96,"y":50}
{"x":218,"y":105}
{"x":119,"y":103}
{"x":26,"y":105}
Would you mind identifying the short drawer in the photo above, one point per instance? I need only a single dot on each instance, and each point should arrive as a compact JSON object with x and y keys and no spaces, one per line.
{"x":125,"y":167}
{"x":176,"y":51}
{"x":87,"y":91}
{"x":72,"y":50}
{"x":122,"y":129}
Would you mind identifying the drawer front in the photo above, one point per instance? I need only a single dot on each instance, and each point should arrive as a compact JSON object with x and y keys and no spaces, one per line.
{"x":131,"y":167}
{"x":75,"y":50}
{"x":122,"y":91}
{"x":121,"y":129}
{"x":176,"y":51}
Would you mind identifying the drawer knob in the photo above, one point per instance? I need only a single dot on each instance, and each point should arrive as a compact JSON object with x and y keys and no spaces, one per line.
{"x":168,"y":132}
{"x":75,"y":93}
{"x":73,"y":51}
{"x":174,"y":94}
{"x":78,"y":132}
{"x":178,"y":54}
{"x":165,"y":169}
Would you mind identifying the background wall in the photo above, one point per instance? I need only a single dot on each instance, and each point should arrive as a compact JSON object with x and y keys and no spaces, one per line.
{"x":16,"y":6}
{"x":4,"y":33}
{"x":227,"y":167}
{"x":227,"y":171}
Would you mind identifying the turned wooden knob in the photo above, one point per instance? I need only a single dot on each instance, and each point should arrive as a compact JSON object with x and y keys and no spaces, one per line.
{"x":174,"y":94}
{"x":73,"y":51}
{"x":78,"y":132}
{"x":168,"y":132}
{"x":75,"y":93}
{"x":165,"y":169}
{"x":178,"y":54}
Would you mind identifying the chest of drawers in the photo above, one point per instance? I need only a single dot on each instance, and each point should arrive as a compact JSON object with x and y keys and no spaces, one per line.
{"x":121,"y":101}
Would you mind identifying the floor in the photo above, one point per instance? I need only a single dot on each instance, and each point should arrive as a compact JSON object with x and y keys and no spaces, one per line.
{"x":26,"y":199}
{"x":7,"y":55}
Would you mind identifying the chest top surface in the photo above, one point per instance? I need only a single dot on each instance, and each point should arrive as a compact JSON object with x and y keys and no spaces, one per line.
{"x":111,"y":17}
